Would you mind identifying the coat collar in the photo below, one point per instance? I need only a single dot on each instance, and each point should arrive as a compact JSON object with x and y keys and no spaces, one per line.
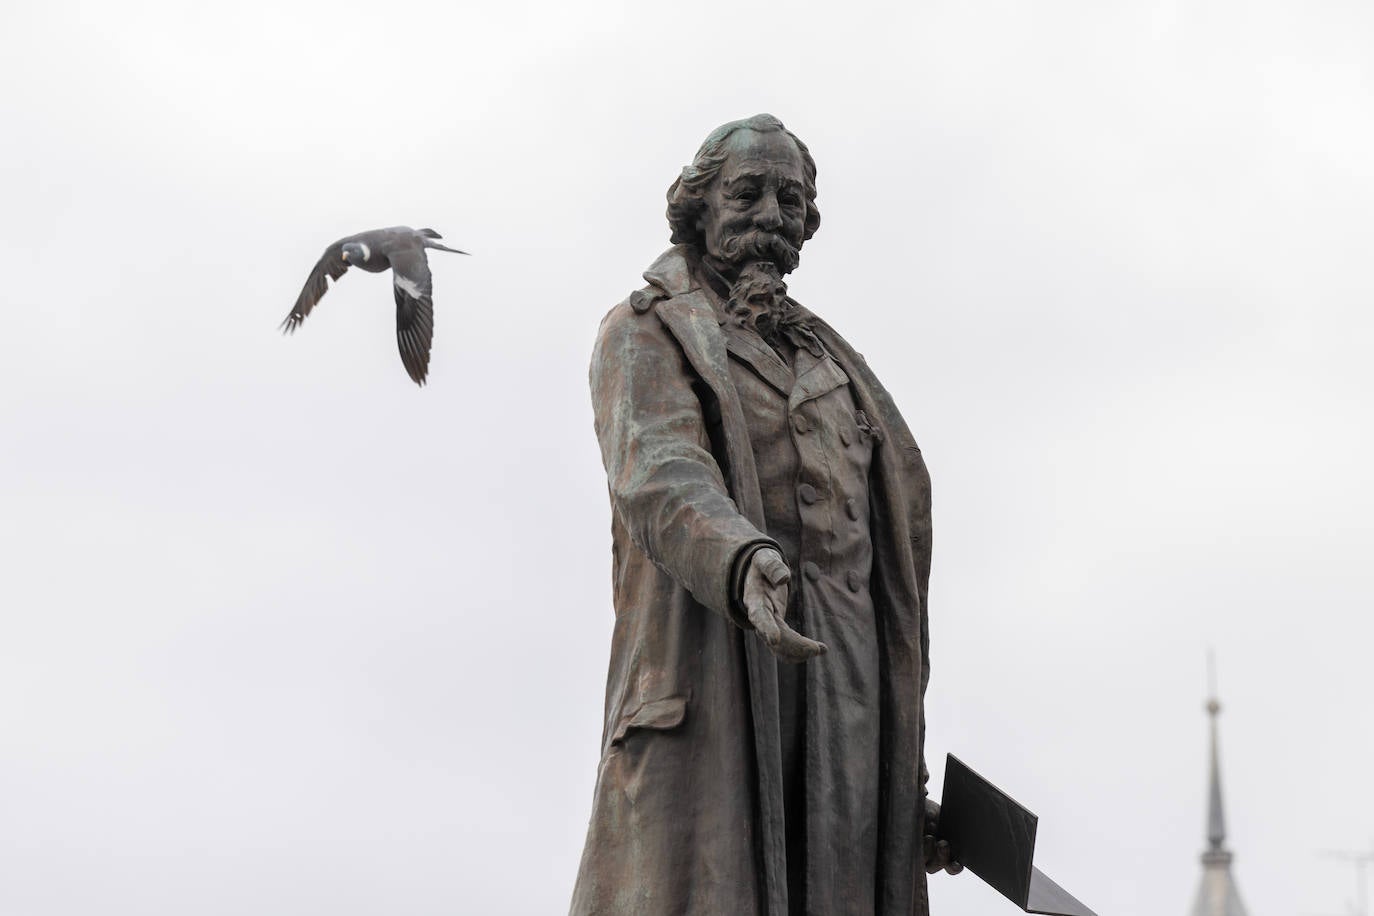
{"x":690,"y":314}
{"x":672,"y":271}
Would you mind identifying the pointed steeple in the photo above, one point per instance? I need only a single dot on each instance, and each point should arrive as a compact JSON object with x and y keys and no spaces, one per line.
{"x":1216,"y":817}
{"x":1217,"y":895}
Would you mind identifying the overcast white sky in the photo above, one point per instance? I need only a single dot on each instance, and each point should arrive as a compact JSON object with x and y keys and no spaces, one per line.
{"x":282,"y":633}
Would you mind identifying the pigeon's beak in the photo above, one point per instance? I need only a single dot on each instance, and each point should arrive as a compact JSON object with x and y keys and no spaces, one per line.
{"x":344,"y":256}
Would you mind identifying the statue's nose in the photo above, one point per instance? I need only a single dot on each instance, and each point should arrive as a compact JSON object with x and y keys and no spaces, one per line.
{"x":769,"y":216}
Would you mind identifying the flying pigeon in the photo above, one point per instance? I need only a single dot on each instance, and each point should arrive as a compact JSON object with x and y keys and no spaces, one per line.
{"x":402,"y":249}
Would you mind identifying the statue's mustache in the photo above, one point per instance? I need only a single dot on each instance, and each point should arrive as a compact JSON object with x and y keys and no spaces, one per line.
{"x":761,"y":245}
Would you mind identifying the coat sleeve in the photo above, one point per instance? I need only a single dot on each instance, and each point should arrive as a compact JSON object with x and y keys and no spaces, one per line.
{"x":665,"y":484}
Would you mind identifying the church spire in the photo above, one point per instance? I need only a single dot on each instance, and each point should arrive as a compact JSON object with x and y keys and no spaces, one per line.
{"x":1216,"y":818}
{"x":1217,"y":895}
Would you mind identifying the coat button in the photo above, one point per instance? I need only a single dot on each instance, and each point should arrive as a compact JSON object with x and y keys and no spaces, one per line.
{"x":807,"y":493}
{"x":799,"y":424}
{"x":851,"y":508}
{"x":845,"y":437}
{"x":853,"y":581}
{"x":811,"y":571}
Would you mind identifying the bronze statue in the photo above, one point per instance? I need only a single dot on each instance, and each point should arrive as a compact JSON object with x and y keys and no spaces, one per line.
{"x":764,"y":726}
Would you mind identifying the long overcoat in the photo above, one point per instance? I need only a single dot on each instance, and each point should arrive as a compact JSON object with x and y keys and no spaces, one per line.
{"x":687,"y":815}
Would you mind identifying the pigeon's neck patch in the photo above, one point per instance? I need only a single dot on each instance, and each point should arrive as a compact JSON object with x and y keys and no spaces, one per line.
{"x":367,"y":252}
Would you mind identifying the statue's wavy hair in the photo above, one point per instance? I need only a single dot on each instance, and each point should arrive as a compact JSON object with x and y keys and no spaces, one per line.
{"x":686,"y":195}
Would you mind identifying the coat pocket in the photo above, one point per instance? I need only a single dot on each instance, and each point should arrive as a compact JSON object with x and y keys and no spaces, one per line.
{"x":633,"y":762}
{"x":661,"y":715}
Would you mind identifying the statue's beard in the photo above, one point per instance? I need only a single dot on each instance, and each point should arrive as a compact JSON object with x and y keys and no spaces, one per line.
{"x":758,"y":298}
{"x":761,"y":245}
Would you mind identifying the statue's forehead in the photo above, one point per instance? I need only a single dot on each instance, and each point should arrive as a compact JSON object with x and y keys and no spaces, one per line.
{"x":749,"y":151}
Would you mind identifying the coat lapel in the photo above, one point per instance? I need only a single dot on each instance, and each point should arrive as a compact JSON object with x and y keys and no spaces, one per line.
{"x":815,"y":377}
{"x":750,"y":349}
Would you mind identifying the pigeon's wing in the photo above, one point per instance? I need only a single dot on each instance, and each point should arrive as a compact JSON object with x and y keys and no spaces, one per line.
{"x":331,"y":266}
{"x":414,"y":310}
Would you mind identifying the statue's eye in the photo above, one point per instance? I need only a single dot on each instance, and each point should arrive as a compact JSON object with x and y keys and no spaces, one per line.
{"x":746,"y":195}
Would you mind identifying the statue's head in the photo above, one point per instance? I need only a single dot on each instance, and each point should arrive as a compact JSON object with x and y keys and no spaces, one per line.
{"x":749,"y":195}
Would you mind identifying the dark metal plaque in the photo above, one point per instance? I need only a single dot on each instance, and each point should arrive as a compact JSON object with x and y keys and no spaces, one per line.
{"x":993,"y":836}
{"x":1048,"y":897}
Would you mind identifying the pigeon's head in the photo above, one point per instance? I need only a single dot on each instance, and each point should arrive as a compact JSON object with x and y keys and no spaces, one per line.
{"x":355,"y":252}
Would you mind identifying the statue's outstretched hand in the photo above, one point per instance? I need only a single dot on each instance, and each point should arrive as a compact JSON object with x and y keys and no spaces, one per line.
{"x":765,"y":599}
{"x":939,"y":857}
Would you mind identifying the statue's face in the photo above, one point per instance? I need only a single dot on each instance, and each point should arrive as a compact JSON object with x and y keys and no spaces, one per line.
{"x":756,"y":207}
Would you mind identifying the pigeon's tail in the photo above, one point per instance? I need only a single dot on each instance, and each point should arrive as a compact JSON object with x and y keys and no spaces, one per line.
{"x":429,"y":242}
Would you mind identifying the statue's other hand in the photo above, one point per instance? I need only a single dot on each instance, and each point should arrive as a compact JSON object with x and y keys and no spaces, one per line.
{"x":939,"y":856}
{"x":765,"y":599}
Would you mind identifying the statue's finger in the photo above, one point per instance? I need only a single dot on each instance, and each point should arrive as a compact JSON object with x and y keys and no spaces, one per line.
{"x":938,"y":855}
{"x":944,"y":858}
{"x":764,"y":624}
{"x":777,"y":604}
{"x":773,"y":567}
{"x":794,"y":647}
